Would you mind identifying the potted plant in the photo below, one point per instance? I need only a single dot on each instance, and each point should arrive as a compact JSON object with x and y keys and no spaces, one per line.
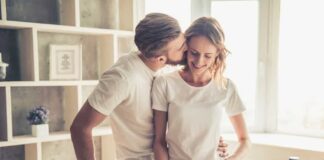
{"x":38,"y":119}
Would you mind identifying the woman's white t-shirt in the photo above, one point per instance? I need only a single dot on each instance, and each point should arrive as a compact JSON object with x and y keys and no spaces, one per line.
{"x":194,"y":114}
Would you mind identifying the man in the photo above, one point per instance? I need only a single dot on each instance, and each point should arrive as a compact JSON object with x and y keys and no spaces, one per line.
{"x":123,"y":92}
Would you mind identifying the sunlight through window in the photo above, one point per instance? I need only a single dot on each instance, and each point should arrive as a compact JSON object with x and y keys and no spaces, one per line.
{"x":241,"y":38}
{"x":300,"y":99}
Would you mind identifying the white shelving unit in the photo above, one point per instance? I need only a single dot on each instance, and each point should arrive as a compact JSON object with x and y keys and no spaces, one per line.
{"x":104,"y":28}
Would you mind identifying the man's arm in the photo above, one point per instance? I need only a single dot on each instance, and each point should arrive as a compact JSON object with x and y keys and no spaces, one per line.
{"x":160,"y":144}
{"x":81,"y":131}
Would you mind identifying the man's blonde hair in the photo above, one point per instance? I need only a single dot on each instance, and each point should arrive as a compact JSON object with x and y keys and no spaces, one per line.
{"x":154,"y":32}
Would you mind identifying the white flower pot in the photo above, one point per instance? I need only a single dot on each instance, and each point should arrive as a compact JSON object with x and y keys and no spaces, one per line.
{"x":40,"y":130}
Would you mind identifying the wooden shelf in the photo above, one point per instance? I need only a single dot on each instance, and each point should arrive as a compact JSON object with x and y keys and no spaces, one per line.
{"x":104,"y":29}
{"x":56,"y":136}
{"x":63,"y":29}
{"x":47,"y":83}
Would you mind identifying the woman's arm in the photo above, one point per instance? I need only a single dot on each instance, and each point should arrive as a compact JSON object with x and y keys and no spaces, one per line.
{"x":160,"y":144}
{"x":243,"y":137}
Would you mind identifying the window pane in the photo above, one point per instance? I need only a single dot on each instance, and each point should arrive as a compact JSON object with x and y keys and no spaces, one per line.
{"x":242,"y":41}
{"x":301,"y":79}
{"x":179,"y":9}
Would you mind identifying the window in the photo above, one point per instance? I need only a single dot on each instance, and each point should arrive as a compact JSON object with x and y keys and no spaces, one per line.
{"x":241,"y":38}
{"x":300,"y":73}
{"x":289,"y":83}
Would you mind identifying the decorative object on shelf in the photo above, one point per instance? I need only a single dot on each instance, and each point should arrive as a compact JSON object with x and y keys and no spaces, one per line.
{"x":38,"y":118}
{"x":65,"y":62}
{"x":3,"y":68}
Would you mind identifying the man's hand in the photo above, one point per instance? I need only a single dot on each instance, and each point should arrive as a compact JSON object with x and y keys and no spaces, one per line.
{"x":222,"y":148}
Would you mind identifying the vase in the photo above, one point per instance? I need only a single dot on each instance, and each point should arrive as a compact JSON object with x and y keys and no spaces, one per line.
{"x":40,"y":130}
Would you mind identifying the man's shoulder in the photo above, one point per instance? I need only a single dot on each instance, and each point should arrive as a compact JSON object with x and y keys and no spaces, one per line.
{"x":123,"y":68}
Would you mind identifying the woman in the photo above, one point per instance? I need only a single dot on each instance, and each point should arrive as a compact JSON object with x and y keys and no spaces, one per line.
{"x":188,"y":103}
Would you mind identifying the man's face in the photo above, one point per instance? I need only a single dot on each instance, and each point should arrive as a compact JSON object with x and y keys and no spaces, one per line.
{"x":175,"y":50}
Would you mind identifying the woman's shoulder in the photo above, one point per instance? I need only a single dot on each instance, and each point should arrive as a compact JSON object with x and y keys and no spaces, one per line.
{"x":230,"y":86}
{"x":226,"y":85}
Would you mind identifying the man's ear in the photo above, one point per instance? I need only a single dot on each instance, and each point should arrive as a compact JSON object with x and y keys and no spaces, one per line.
{"x":161,"y":59}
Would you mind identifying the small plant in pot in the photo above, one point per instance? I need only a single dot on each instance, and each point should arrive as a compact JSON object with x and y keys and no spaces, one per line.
{"x":38,"y":119}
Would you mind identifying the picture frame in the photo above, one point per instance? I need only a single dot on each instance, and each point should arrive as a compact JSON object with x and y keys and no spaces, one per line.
{"x":65,"y":62}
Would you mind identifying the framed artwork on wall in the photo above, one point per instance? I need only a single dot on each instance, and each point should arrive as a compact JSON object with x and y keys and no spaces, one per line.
{"x":65,"y":62}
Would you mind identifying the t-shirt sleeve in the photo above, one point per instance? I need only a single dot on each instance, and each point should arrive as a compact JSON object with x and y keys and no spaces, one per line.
{"x":159,"y":94}
{"x":109,"y":93}
{"x":234,"y":103}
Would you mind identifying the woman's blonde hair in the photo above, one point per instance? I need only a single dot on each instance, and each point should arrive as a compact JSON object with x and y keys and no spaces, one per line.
{"x":211,"y":29}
